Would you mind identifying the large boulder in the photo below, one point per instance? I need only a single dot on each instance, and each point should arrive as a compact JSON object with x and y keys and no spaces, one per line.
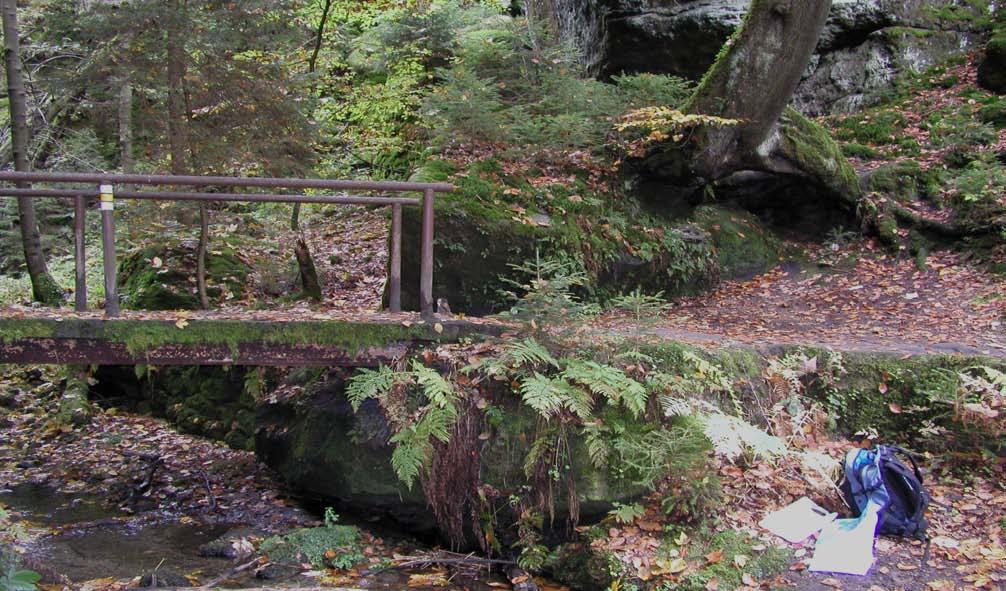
{"x":484,"y":231}
{"x":161,"y":275}
{"x":317,"y":443}
{"x":864,"y":47}
{"x":992,"y":69}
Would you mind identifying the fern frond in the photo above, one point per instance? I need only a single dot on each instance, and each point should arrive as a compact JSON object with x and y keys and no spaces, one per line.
{"x":369,"y":383}
{"x":528,"y":353}
{"x":539,"y":449}
{"x":543,"y":394}
{"x":635,"y":356}
{"x":731,"y":437}
{"x":437,"y":422}
{"x":609,"y":382}
{"x":576,"y":400}
{"x":410,"y":455}
{"x":598,"y":448}
{"x":438,"y":390}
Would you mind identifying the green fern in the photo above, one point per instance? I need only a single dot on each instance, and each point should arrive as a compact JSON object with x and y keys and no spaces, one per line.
{"x":541,"y":447}
{"x":528,"y":353}
{"x":410,"y":455}
{"x":545,"y":395}
{"x":370,"y":383}
{"x":437,"y":389}
{"x":517,"y":355}
{"x":609,"y":382}
{"x":598,"y":448}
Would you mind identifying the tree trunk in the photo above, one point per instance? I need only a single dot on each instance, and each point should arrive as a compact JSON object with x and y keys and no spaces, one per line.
{"x":178,"y":132}
{"x":309,"y":282}
{"x":319,"y":37}
{"x":44,"y":288}
{"x":752,"y":81}
{"x":126,"y":125}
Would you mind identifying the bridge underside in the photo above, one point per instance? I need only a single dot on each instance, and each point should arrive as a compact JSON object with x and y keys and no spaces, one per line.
{"x":188,"y":340}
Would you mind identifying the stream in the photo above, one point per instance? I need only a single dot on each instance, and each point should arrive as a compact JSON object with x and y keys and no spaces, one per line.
{"x":81,"y":538}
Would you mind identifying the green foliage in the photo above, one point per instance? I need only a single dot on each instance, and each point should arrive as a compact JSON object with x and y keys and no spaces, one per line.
{"x":545,"y":291}
{"x":737,"y":549}
{"x":510,"y":82}
{"x":692,"y":496}
{"x":608,"y":382}
{"x":640,"y":305}
{"x":415,"y":433}
{"x":13,"y":578}
{"x":328,"y":546}
{"x":652,"y":454}
{"x":877,"y":128}
{"x":19,"y":580}
{"x":370,"y":383}
{"x":626,"y":514}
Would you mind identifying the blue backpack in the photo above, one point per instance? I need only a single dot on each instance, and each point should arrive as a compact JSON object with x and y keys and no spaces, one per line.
{"x":878,"y":475}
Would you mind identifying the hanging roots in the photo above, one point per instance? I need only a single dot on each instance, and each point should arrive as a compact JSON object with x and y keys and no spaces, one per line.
{"x":451,"y":483}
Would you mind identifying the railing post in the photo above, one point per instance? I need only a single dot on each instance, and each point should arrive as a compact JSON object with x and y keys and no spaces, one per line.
{"x":108,"y":249}
{"x":80,"y":270}
{"x":426,"y":264}
{"x":395,"y":272}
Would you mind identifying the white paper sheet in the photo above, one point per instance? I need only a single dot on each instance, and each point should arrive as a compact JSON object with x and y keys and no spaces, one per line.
{"x":798,"y":520}
{"x":846,"y":545}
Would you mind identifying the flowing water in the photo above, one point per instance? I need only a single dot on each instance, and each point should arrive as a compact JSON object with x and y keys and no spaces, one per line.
{"x":91,"y":541}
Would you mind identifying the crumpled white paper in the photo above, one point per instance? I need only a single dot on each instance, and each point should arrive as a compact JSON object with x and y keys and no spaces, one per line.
{"x":798,"y":520}
{"x":846,"y":545}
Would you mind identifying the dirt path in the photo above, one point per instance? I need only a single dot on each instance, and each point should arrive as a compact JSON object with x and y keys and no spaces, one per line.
{"x":856,"y":298}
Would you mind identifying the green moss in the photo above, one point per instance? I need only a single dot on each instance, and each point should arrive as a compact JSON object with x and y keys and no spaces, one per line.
{"x":205,"y":400}
{"x":879,"y":127}
{"x":813,"y":150}
{"x":329,"y":546}
{"x":897,"y":395}
{"x":44,"y":289}
{"x":495,"y":221}
{"x":433,"y":171}
{"x":141,"y":335}
{"x":171,"y":284}
{"x":744,"y":247}
{"x":904,"y":181}
{"x":760,"y":564}
{"x":582,"y":566}
{"x":994,"y":113}
{"x":856,"y":150}
{"x":74,"y":407}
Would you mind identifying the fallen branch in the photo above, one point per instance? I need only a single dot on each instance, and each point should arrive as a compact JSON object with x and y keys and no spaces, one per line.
{"x":209,"y":490}
{"x":448,"y":559}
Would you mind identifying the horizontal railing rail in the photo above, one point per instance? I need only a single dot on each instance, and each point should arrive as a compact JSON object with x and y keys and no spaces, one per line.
{"x":103,"y":187}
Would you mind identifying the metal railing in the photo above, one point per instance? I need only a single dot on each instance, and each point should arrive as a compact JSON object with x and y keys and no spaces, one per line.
{"x":103,"y":187}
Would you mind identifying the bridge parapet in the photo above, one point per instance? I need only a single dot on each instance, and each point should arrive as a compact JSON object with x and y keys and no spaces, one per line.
{"x":107,"y":188}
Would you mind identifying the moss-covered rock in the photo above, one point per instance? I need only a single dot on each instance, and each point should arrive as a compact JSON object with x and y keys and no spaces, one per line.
{"x":813,"y":151}
{"x":74,"y":407}
{"x":494,"y":222}
{"x":904,"y":181}
{"x":992,"y":69}
{"x":744,"y":247}
{"x":162,"y":276}
{"x":317,"y":443}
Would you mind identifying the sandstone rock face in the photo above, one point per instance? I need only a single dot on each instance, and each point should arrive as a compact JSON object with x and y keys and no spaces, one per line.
{"x":865,"y":45}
